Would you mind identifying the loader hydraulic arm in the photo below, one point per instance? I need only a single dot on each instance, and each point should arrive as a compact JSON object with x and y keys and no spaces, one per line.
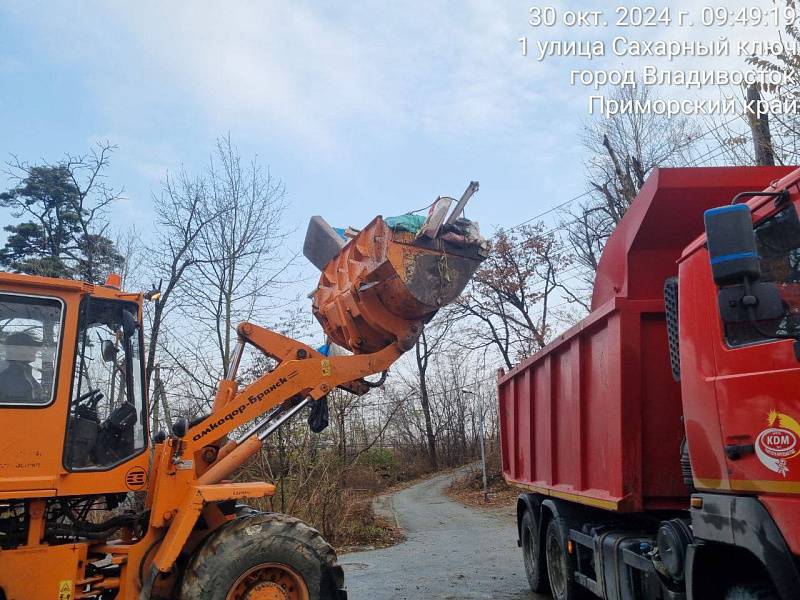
{"x":189,"y":535}
{"x":301,"y":373}
{"x":374,"y":296}
{"x":375,"y":293}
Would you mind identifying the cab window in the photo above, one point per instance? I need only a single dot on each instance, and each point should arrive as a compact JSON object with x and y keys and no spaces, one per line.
{"x":778,"y":245}
{"x":106,"y":421}
{"x":30,"y":332}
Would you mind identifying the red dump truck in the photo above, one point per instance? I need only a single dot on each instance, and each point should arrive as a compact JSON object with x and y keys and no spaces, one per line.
{"x":657,"y":441}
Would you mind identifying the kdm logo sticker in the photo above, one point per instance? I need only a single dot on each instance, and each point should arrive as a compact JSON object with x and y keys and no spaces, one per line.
{"x":779,"y":442}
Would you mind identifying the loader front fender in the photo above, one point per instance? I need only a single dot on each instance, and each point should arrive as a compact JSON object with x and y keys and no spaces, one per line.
{"x":182,"y":522}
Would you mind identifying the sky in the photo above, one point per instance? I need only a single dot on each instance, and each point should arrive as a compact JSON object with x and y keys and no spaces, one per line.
{"x":360,"y":108}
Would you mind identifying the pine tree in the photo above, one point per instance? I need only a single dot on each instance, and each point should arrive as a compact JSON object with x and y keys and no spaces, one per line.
{"x":61,"y":231}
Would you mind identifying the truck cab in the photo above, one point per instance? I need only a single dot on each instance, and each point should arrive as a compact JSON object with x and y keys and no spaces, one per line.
{"x":738,"y":373}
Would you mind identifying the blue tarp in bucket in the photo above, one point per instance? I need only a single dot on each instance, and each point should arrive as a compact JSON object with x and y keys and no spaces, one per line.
{"x":412,"y":223}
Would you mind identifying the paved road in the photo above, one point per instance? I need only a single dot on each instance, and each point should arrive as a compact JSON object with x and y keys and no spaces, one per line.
{"x":452,"y":553}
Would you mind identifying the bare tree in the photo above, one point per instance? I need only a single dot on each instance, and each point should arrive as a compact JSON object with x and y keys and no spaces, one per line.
{"x":182,"y":216}
{"x":129,"y":245}
{"x":239,"y":253}
{"x":775,"y":136}
{"x":510,"y":299}
{"x":458,"y":386}
{"x":759,"y":128}
{"x":427,"y":344}
{"x":622,"y":150}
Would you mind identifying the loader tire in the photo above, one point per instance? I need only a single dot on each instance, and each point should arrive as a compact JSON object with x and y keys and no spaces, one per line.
{"x":245,"y":510}
{"x":264,"y":555}
{"x":751,"y":591}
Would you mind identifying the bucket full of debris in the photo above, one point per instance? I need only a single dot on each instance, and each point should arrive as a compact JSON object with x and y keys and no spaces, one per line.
{"x":380,"y":284}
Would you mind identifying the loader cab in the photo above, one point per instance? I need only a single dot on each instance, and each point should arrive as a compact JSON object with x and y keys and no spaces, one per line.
{"x":72,"y":395}
{"x":106,"y":408}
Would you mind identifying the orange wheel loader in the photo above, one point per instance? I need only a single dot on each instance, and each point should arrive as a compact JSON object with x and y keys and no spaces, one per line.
{"x":75,"y":442}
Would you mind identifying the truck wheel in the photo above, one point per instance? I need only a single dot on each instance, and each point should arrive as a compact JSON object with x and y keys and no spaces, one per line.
{"x":532,"y":554}
{"x":560,"y":564}
{"x":264,"y":555}
{"x":753,"y":591}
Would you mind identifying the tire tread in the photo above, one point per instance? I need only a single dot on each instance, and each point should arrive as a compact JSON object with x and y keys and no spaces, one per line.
{"x":751,"y":591}
{"x":204,"y":576}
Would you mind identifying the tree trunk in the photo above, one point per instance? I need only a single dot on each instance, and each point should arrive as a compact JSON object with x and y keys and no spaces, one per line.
{"x":426,"y":409}
{"x":422,"y":366}
{"x":152,"y":343}
{"x":342,"y":432}
{"x":759,"y":126}
{"x":155,"y":397}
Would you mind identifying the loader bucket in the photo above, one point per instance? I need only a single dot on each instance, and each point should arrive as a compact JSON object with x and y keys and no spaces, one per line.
{"x":385,"y":283}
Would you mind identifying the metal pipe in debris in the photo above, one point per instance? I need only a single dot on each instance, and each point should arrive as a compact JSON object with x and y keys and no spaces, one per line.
{"x":471,"y":189}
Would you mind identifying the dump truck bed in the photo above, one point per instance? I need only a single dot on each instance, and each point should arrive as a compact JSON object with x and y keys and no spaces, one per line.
{"x":595,"y":416}
{"x":573,"y":421}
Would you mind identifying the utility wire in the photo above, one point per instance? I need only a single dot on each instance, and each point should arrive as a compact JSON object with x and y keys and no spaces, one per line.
{"x":578,"y":270}
{"x":691,"y":140}
{"x":549,"y":210}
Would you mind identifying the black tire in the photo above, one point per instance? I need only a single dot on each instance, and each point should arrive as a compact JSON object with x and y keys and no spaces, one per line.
{"x":245,"y":543}
{"x":751,"y":591}
{"x":560,"y":564}
{"x":245,"y":510}
{"x":532,"y":554}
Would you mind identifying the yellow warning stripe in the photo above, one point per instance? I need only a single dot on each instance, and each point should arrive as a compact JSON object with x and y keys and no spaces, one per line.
{"x":579,"y":498}
{"x":747,"y":485}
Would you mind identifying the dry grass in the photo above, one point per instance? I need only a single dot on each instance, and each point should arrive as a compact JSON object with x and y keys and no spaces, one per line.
{"x":364,"y":530}
{"x":336,"y":498}
{"x":468,"y":489}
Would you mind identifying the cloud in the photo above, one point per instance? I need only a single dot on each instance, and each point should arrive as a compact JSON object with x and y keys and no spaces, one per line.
{"x":276,"y":67}
{"x":330,"y":80}
{"x":309,"y":73}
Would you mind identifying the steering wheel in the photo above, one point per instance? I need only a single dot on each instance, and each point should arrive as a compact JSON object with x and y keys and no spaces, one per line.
{"x":89,"y":399}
